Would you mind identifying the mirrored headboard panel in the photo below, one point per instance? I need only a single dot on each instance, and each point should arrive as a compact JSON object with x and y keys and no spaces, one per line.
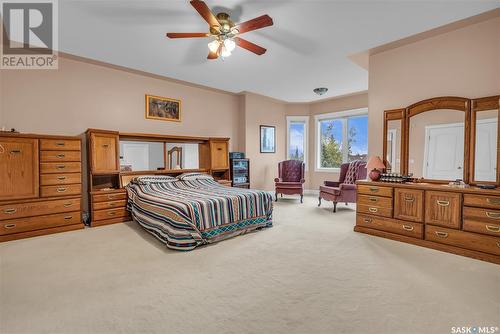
{"x":138,"y":156}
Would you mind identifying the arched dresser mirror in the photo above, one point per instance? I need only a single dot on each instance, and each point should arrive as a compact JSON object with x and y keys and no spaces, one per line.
{"x":437,"y":139}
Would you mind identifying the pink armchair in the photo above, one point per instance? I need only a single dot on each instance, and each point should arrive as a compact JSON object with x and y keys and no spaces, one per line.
{"x":345,"y":189}
{"x":291,"y":178}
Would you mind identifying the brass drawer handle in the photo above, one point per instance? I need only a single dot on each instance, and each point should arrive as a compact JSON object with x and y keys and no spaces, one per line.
{"x":374,"y":189}
{"x":493,"y":215}
{"x":15,"y":152}
{"x":60,"y":156}
{"x":10,"y":211}
{"x":441,"y":234}
{"x":61,"y":144}
{"x":67,"y":205}
{"x":373,"y":199}
{"x":492,"y":228}
{"x":61,"y":167}
{"x":105,"y":145}
{"x":112,"y":213}
{"x":495,"y":201}
{"x":60,"y":178}
{"x":111,"y":196}
{"x":443,"y":203}
{"x":409,"y":199}
{"x":373,"y":210}
{"x":367,"y":220}
{"x":9,"y":225}
{"x":61,"y":190}
{"x":68,"y":217}
{"x":111,"y":204}
{"x":498,"y":243}
{"x":408,"y":227}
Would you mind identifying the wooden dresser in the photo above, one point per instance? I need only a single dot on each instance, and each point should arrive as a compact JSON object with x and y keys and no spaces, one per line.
{"x":41,"y":185}
{"x":454,"y":220}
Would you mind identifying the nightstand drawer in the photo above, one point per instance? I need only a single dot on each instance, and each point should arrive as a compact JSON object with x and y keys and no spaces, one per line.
{"x":109,"y":213}
{"x":106,"y":197}
{"x":109,"y":205}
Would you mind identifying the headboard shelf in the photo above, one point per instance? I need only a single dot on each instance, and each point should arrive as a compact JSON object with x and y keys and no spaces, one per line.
{"x":116,"y":157}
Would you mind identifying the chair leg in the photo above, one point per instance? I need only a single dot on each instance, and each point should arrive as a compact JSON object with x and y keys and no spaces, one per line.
{"x":319,"y":200}
{"x":281,"y":195}
{"x":276,"y":196}
{"x":334,"y":207}
{"x":301,"y":197}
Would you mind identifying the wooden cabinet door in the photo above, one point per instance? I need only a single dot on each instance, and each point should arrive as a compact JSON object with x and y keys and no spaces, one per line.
{"x":409,"y":204}
{"x":18,"y":168}
{"x":104,"y":153}
{"x":219,"y":154}
{"x":443,"y":209}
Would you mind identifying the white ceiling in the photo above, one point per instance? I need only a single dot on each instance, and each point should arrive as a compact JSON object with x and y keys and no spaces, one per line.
{"x":308,"y":46}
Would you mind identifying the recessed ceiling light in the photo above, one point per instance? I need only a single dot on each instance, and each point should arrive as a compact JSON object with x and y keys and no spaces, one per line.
{"x":320,"y":91}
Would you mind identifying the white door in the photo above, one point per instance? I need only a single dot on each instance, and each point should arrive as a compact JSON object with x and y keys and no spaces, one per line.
{"x":485,"y":168}
{"x":444,"y":152}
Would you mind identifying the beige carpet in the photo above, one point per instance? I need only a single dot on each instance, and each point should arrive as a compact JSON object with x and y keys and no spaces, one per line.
{"x":310,"y":273}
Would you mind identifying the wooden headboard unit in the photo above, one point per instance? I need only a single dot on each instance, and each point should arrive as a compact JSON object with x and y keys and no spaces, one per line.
{"x":107,"y":177}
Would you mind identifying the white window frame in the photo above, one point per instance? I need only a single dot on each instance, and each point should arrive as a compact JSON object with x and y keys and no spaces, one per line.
{"x":298,"y":119}
{"x":339,"y":115}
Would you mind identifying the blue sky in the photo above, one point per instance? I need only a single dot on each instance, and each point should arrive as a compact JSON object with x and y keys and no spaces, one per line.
{"x":296,"y":137}
{"x":360,"y":123}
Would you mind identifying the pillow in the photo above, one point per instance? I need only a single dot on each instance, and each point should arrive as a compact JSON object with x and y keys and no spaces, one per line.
{"x":194,"y":176}
{"x":147,"y":179}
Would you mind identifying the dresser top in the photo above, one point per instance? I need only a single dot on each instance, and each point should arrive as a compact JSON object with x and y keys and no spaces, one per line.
{"x":432,"y":186}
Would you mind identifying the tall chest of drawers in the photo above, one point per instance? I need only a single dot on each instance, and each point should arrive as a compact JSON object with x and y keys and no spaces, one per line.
{"x":41,"y":185}
{"x":461,"y":221}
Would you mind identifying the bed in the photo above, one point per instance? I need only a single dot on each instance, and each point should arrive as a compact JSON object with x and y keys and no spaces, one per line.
{"x":194,"y":209}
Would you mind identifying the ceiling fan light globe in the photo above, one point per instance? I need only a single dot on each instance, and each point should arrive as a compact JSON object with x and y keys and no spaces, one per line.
{"x":225,"y":52}
{"x":229,"y":45}
{"x":213,"y":46}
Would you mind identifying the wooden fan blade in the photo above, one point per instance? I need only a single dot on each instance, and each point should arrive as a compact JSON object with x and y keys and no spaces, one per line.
{"x":214,"y":55}
{"x":187,"y":34}
{"x":205,"y":12}
{"x":250,"y":46}
{"x":257,"y":23}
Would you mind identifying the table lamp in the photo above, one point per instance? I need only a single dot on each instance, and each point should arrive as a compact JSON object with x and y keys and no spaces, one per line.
{"x":375,"y":166}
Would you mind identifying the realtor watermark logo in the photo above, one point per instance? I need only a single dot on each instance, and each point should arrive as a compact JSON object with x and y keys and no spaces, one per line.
{"x":474,"y":330}
{"x":29,"y":34}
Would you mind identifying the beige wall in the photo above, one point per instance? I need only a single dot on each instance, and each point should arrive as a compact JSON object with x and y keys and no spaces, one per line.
{"x":260,"y":110}
{"x":464,"y":62}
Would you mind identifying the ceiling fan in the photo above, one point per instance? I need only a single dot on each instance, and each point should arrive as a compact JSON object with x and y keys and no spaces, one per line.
{"x":225,"y":32}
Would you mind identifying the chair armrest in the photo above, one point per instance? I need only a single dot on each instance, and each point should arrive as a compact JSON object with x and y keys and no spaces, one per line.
{"x":278,"y":179}
{"x":332,"y":184}
{"x":347,"y":186}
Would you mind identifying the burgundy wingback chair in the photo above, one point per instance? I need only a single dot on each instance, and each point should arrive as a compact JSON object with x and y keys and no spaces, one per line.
{"x":291,"y":178}
{"x":344,"y":190}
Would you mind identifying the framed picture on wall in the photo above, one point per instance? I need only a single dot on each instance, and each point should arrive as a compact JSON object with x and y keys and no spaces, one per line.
{"x":163,"y":108}
{"x":267,"y":139}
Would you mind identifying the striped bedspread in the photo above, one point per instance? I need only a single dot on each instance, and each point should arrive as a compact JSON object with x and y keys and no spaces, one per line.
{"x":189,"y":213}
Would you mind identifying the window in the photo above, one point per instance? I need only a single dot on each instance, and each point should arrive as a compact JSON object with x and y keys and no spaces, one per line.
{"x":341,"y":137}
{"x":297,"y":137}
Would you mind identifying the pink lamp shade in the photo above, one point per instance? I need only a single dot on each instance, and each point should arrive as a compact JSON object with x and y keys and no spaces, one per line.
{"x":374,"y":166}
